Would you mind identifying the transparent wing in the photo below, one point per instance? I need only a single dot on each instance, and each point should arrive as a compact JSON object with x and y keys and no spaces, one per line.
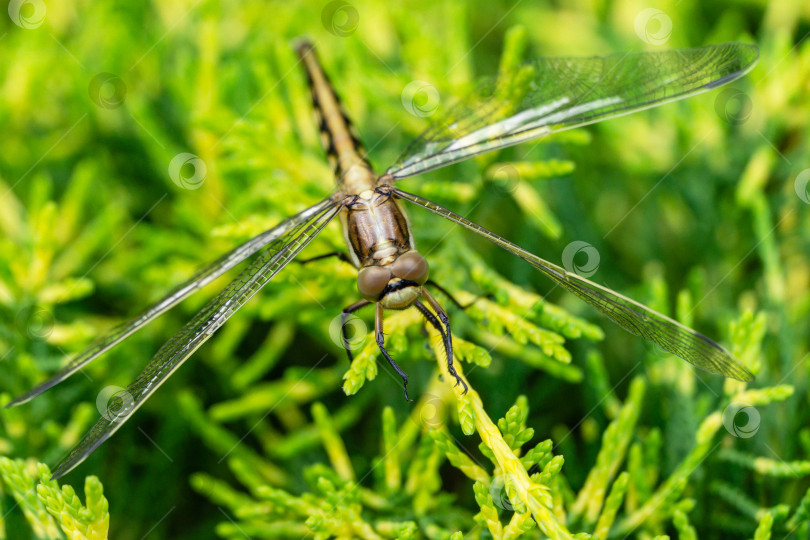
{"x":195,"y":283}
{"x":197,"y":331}
{"x":636,"y":318}
{"x":553,"y":94}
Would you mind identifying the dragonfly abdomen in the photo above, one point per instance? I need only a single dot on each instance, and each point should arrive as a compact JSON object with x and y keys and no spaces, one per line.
{"x":339,"y":137}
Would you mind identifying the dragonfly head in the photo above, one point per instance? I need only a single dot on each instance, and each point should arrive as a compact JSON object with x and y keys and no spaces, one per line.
{"x":397,"y":285}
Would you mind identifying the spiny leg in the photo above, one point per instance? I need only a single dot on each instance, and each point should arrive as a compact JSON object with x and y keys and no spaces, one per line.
{"x":431,"y":318}
{"x":340,"y":255}
{"x":344,"y":315}
{"x":447,"y":337}
{"x":378,"y":330}
{"x":452,"y":298}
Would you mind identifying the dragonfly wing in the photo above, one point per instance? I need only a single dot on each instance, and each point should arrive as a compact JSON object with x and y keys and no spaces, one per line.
{"x":179,"y":293}
{"x":636,"y":318}
{"x":197,"y":331}
{"x":552,"y":94}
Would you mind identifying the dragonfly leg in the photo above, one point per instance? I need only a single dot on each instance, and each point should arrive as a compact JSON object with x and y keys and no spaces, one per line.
{"x":339,"y":254}
{"x":452,"y":298}
{"x":344,"y":315}
{"x":447,"y":337}
{"x":378,"y":327}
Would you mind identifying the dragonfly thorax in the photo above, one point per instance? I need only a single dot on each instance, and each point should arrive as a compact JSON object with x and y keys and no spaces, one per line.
{"x":375,"y":228}
{"x":397,"y":285}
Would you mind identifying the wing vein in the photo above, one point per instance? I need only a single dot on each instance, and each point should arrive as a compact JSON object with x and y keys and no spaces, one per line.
{"x":634,"y":317}
{"x":547,"y":95}
{"x":197,"y":331}
{"x":199,"y":280}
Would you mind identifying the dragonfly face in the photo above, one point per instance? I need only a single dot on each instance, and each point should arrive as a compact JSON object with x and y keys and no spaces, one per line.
{"x":397,"y":285}
{"x":549,"y":95}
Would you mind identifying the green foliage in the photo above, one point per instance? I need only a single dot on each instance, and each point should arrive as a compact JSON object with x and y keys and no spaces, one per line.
{"x":50,"y":509}
{"x":695,"y":208}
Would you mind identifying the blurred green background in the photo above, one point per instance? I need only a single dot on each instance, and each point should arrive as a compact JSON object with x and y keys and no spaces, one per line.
{"x":698,"y":209}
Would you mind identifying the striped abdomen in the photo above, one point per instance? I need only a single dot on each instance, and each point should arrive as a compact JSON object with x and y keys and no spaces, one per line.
{"x":338,"y":135}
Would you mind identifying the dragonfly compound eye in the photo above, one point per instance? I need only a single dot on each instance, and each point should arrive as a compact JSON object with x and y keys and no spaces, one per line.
{"x":411,"y":266}
{"x":371,"y":280}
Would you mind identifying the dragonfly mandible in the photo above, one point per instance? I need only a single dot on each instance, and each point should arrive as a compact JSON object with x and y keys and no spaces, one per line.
{"x":547,"y":95}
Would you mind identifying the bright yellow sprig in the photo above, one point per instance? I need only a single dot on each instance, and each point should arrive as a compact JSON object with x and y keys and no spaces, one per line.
{"x":77,"y":522}
{"x":393,"y":471}
{"x":459,"y":459}
{"x":520,"y":489}
{"x":332,"y":442}
{"x":611,"y":507}
{"x":615,"y":441}
{"x":488,"y":514}
{"x":19,"y":482}
{"x":763,"y":531}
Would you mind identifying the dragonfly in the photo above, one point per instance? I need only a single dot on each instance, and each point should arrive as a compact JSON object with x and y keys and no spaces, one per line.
{"x":543,"y":96}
